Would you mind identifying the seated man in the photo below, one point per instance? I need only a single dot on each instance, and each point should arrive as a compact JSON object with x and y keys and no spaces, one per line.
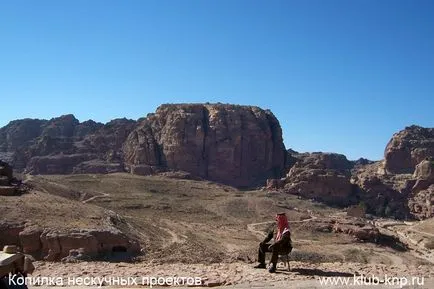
{"x":281,"y":245}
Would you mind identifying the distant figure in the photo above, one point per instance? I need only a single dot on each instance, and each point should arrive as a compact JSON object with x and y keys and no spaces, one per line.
{"x":281,"y":245}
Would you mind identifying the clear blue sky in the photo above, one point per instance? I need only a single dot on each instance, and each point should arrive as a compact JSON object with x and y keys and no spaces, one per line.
{"x":341,"y":76}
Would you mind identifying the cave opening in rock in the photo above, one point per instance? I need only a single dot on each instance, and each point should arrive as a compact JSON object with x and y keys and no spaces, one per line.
{"x":119,"y":249}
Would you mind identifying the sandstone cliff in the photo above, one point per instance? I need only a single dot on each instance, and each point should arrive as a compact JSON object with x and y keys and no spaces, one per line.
{"x":231,"y":144}
{"x":402,"y":185}
{"x":59,"y":145}
{"x":321,"y":176}
{"x":236,"y":145}
{"x":407,"y":148}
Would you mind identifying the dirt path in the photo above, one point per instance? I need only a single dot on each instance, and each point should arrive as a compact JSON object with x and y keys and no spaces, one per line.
{"x":417,"y":247}
{"x":103,"y":195}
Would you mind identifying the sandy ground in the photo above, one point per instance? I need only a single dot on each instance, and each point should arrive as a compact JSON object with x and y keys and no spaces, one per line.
{"x":237,"y":274}
{"x":208,"y":231}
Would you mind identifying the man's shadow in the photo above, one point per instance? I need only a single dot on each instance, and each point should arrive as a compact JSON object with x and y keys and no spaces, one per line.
{"x":315,"y":272}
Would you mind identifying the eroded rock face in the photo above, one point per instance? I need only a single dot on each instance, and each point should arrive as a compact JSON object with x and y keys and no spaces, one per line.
{"x":58,"y":145}
{"x":383,"y":195}
{"x":236,"y":145}
{"x":425,"y":170}
{"x":56,"y":164}
{"x":275,"y":184}
{"x":321,"y":176}
{"x":54,"y":245}
{"x":9,"y":185}
{"x":421,"y":199}
{"x":421,"y":204}
{"x":97,"y":167}
{"x":407,"y":148}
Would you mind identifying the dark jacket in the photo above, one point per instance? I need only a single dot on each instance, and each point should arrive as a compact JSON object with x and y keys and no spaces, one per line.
{"x":284,"y":245}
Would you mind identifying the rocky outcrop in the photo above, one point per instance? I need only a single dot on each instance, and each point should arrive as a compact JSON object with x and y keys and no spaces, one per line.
{"x":275,"y":184}
{"x":383,"y":195}
{"x":60,"y":145}
{"x":421,"y":204}
{"x":324,"y":177}
{"x":362,"y":232}
{"x":53,"y":245}
{"x":9,"y":185}
{"x":90,"y":243}
{"x":425,"y":170}
{"x":407,"y":148}
{"x":236,"y":145}
{"x":421,"y":199}
{"x":56,"y":164}
{"x":97,"y":167}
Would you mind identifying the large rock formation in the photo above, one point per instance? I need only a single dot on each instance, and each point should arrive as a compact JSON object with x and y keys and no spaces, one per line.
{"x":383,"y":195}
{"x":321,"y":176}
{"x":237,"y":145}
{"x":53,"y":245}
{"x":9,"y":185}
{"x":421,"y":199}
{"x":401,"y":185}
{"x":407,"y":148}
{"x":64,"y":145}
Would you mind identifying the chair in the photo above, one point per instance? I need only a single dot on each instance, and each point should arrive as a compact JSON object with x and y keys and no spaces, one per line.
{"x":285,"y":259}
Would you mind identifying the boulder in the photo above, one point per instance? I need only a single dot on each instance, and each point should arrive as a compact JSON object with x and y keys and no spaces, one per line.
{"x":231,"y":144}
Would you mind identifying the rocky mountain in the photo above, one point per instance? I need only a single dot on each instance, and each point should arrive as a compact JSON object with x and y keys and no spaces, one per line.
{"x":57,"y":145}
{"x":401,"y":185}
{"x":408,"y":148}
{"x":232,"y":144}
{"x":236,"y":145}
{"x":321,"y":176}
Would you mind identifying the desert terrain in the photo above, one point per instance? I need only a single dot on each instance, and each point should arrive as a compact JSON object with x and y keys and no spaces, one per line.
{"x":208,"y":230}
{"x":191,"y":190}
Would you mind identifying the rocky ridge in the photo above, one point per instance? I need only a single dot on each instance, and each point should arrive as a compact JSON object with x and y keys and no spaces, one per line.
{"x":54,"y":245}
{"x":400,"y":186}
{"x":236,"y":145}
{"x":231,"y":144}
